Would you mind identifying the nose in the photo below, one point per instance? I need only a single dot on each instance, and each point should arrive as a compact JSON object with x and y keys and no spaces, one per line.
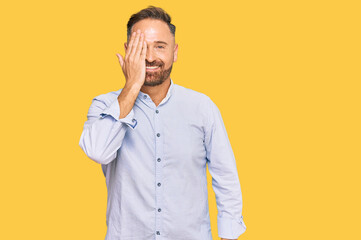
{"x":150,"y":57}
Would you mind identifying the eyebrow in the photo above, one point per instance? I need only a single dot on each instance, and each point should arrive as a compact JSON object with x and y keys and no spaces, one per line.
{"x":161,"y":42}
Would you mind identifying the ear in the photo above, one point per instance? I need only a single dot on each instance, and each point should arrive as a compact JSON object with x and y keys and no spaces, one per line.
{"x":175,"y":53}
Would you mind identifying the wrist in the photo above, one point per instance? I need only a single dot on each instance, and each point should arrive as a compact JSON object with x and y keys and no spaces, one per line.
{"x":133,"y":86}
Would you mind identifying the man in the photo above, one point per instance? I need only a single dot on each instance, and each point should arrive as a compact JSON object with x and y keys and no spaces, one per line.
{"x":154,"y":139}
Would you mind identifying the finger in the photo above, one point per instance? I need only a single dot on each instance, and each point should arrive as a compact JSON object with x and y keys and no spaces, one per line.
{"x":130,"y":44}
{"x":121,"y":60}
{"x":139,"y":46}
{"x":135,"y":43}
{"x":144,"y":51}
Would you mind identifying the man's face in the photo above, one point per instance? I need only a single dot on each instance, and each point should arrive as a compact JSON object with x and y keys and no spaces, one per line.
{"x":161,"y":50}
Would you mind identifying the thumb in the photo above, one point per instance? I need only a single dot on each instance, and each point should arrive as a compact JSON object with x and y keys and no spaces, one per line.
{"x":120,"y":58}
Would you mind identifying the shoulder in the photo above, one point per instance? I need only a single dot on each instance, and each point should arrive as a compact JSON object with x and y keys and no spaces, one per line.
{"x":200,"y":104}
{"x":109,"y":97}
{"x":193,"y":96}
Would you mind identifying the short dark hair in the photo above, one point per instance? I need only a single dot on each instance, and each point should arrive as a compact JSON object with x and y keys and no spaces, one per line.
{"x":153,"y":13}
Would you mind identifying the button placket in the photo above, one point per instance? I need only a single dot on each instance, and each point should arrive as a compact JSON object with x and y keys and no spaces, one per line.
{"x":158,"y":172}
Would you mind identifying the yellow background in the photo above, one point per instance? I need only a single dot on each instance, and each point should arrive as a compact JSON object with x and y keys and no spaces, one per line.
{"x":284,"y":74}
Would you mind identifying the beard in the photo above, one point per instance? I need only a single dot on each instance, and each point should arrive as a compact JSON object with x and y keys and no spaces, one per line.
{"x":158,"y":77}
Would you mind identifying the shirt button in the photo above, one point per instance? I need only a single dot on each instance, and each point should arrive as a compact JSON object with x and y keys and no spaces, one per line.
{"x":158,"y":134}
{"x":145,"y":96}
{"x":158,"y":233}
{"x":156,"y":111}
{"x":159,"y":209}
{"x":158,"y":159}
{"x":159,"y":184}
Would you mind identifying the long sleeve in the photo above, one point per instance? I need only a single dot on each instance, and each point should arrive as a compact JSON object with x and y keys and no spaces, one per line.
{"x":103,"y":132}
{"x":225,"y":180}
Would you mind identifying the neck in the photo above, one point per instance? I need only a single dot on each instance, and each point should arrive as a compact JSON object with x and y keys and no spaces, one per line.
{"x":157,"y":93}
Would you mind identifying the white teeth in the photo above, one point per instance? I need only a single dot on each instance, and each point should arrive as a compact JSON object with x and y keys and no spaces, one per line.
{"x":152,"y":67}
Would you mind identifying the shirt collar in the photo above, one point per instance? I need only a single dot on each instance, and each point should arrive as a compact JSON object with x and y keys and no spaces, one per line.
{"x":143,"y":96}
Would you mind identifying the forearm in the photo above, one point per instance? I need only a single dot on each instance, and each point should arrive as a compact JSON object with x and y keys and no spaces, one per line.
{"x":127,"y":97}
{"x":225,"y":181}
{"x":104,"y":131}
{"x":101,"y":140}
{"x":107,"y":123}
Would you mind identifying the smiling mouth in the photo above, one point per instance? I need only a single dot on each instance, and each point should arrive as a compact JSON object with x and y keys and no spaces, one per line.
{"x":152,"y":68}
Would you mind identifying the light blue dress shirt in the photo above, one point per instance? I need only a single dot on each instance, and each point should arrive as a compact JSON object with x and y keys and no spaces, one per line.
{"x":154,"y":162}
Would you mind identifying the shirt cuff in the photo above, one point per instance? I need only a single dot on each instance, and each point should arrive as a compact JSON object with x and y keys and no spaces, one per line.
{"x":114,"y":111}
{"x":230,"y":228}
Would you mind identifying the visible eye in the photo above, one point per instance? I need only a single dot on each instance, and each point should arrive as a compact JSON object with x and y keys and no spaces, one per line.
{"x":160,"y":46}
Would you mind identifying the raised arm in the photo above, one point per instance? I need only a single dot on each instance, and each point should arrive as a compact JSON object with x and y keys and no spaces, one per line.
{"x":104,"y":131}
{"x":108,"y":120}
